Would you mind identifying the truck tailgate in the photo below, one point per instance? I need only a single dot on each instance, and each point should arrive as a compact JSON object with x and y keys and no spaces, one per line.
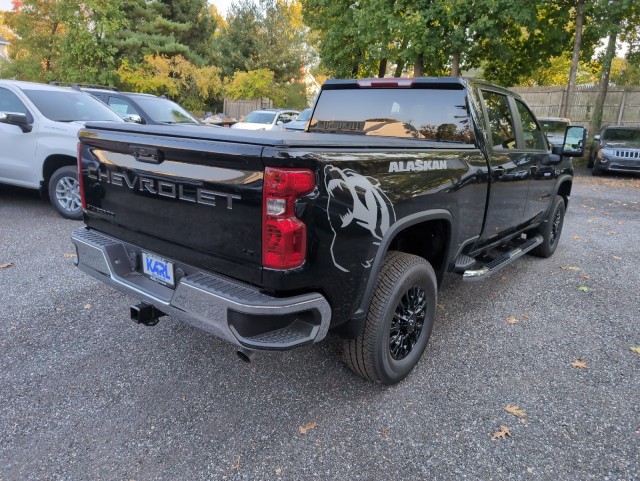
{"x":194,"y":200}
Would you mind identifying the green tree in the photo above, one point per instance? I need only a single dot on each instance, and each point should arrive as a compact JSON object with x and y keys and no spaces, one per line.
{"x":619,"y":19}
{"x":264,"y":35}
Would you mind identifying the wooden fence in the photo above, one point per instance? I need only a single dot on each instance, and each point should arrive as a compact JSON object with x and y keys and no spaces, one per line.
{"x":240,"y":108}
{"x":621,"y":106}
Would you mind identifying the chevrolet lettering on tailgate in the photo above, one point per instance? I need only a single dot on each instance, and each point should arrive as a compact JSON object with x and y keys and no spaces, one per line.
{"x":161,"y":188}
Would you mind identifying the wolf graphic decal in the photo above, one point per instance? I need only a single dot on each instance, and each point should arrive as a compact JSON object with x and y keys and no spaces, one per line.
{"x":357,"y":207}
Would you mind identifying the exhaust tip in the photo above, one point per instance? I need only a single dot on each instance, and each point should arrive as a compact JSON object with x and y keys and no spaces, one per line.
{"x":245,"y":355}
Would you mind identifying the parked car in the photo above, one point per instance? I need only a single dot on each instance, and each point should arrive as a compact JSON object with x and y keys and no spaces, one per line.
{"x":220,"y":119}
{"x":137,"y":107}
{"x":266,"y":119}
{"x":615,"y":149}
{"x":300,"y":123}
{"x":39,"y":127}
{"x":554,"y":128}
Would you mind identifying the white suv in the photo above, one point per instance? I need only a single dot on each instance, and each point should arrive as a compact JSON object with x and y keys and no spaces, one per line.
{"x":39,"y":127}
{"x":266,"y":119}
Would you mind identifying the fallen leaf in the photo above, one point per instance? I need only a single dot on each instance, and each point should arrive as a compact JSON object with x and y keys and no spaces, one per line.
{"x":570,"y":268}
{"x":6,"y":265}
{"x":385,"y":432}
{"x":576,"y":237}
{"x":524,"y":316}
{"x":620,"y":222}
{"x":503,"y":278}
{"x":237,"y":465}
{"x":503,"y":433}
{"x":523,"y":421}
{"x":409,"y":403}
{"x":515,"y":410}
{"x":613,"y":232}
{"x":580,"y":364}
{"x":278,"y":471}
{"x":583,"y":289}
{"x":307,"y":427}
{"x":585,"y":276}
{"x":87,"y":306}
{"x":636,"y":349}
{"x":617,"y":258}
{"x":69,"y":256}
{"x":512,"y":320}
{"x":440,"y":306}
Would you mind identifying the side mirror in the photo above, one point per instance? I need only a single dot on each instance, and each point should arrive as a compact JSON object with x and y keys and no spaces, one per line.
{"x":279,"y":122}
{"x":575,"y":139}
{"x":133,"y":118}
{"x":596,"y":137}
{"x":15,"y":118}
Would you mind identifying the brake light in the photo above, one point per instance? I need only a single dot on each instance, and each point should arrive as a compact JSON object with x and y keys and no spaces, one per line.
{"x":284,"y":236}
{"x":80,"y":181}
{"x":386,"y":82}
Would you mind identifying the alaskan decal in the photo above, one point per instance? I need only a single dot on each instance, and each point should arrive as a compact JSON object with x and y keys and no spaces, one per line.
{"x":417,"y":165}
{"x":357,"y":206}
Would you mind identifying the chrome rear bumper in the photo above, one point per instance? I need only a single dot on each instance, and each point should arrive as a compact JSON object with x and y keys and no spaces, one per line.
{"x":236,"y":312}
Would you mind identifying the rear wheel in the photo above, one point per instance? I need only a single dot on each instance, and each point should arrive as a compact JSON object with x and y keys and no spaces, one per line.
{"x":551,"y":229}
{"x":64,"y":192}
{"x":596,"y":171}
{"x":399,"y":322}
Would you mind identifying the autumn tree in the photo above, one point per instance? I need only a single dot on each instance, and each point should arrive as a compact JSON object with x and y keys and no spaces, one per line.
{"x":175,"y":77}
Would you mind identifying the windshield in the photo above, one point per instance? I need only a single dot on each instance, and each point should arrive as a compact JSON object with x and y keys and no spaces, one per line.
{"x":627,"y":135}
{"x":70,"y":106}
{"x":260,"y":117}
{"x":428,"y":114}
{"x":304,"y":115}
{"x":554,"y":126}
{"x":164,"y":111}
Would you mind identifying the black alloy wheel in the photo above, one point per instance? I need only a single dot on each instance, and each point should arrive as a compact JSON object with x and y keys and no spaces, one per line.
{"x":407,"y":323}
{"x":398,"y":325}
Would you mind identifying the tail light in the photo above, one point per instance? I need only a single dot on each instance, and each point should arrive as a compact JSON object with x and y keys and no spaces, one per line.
{"x":284,"y":236}
{"x":80,"y":181}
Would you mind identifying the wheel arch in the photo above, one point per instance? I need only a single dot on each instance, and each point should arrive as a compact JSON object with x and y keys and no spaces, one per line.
{"x":51,"y":164}
{"x":564,"y":190}
{"x":436,"y":225}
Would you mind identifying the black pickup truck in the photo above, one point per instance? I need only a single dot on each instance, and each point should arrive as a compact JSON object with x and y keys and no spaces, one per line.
{"x":269,"y":239}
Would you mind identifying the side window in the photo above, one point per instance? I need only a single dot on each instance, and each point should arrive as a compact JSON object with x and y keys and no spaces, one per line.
{"x":533,"y":136}
{"x":500,"y":120}
{"x":122,"y":107}
{"x":9,"y":102}
{"x":285,"y":117}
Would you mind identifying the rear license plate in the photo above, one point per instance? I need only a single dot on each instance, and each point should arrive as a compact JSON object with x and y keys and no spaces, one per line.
{"x":158,"y":269}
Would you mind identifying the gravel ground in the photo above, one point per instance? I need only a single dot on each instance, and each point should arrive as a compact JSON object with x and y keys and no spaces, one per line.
{"x":87,"y":394}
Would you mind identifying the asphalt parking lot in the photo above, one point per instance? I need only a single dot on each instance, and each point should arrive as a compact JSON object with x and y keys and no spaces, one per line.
{"x":541,"y":351}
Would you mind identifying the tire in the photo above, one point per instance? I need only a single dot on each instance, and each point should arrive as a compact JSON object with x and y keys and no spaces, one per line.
{"x":64,"y":192}
{"x":388,"y":347}
{"x":551,"y":229}
{"x":596,"y":171}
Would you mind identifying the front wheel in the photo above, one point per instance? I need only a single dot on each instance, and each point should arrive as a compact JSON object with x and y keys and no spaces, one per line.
{"x":64,"y":192}
{"x":551,"y":229}
{"x":399,"y":321}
